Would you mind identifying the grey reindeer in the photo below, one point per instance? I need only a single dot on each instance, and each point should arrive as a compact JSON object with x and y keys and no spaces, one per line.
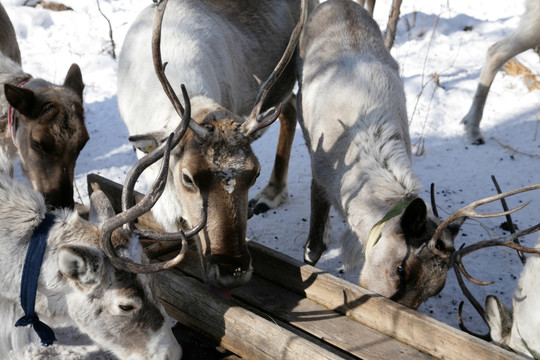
{"x":352,"y":111}
{"x":524,"y":37}
{"x":91,"y":275}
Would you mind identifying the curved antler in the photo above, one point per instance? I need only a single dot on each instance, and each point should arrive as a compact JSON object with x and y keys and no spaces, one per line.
{"x":469,"y":211}
{"x":134,"y":212}
{"x":152,"y":157}
{"x":159,"y":68}
{"x":256,"y":120}
{"x":508,"y":241}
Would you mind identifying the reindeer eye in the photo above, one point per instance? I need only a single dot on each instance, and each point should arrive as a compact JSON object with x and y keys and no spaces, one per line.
{"x":35,"y":144}
{"x":400,"y":270}
{"x":126,"y":308}
{"x":187,"y":180}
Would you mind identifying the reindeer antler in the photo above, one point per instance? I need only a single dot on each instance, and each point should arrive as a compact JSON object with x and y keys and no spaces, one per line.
{"x":130,"y":213}
{"x":159,"y":68}
{"x":470,"y":211}
{"x":508,"y":241}
{"x":134,"y":212}
{"x":256,"y":120}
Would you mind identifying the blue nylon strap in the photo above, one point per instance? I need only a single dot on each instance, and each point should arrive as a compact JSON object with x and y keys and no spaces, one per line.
{"x":29,"y":282}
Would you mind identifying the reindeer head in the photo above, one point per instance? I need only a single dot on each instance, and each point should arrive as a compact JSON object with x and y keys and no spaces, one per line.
{"x":116,"y":308}
{"x":401,"y":265}
{"x":49,"y":133}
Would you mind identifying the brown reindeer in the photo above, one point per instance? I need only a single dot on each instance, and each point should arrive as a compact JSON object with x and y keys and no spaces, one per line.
{"x":40,"y":123}
{"x":219,"y":49}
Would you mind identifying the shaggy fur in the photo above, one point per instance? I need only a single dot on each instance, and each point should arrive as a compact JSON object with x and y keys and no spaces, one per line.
{"x":77,"y":286}
{"x":353,"y":115}
{"x":521,"y":325}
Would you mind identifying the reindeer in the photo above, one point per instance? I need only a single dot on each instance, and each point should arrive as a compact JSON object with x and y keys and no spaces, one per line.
{"x":40,"y":123}
{"x":517,"y":329}
{"x":352,"y":111}
{"x":220,"y":50}
{"x":524,"y":37}
{"x":89,"y":272}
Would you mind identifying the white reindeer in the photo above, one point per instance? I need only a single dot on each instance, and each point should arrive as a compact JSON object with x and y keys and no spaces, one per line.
{"x":524,"y":37}
{"x":519,"y":328}
{"x":352,"y":110}
{"x":219,"y":49}
{"x":84,"y":278}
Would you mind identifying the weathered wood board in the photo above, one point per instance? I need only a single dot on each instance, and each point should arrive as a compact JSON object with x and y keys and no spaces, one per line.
{"x":295,"y":311}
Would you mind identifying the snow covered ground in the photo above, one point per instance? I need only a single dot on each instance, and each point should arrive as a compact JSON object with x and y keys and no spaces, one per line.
{"x":440,"y":46}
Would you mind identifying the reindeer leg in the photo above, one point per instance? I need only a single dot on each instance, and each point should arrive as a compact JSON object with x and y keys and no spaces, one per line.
{"x":320,"y":207}
{"x":276,"y":192}
{"x":498,"y":54}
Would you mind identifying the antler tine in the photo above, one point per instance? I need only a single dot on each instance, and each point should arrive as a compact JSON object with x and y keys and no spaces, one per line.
{"x":507,"y":241}
{"x":152,"y":157}
{"x":134,"y":212}
{"x":469,"y":211}
{"x":159,"y":68}
{"x":459,"y":269}
{"x":255,"y":122}
{"x":433,"y":203}
{"x":508,"y":218}
{"x":486,"y":337}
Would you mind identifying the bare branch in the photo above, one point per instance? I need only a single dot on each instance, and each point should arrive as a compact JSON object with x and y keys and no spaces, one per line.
{"x":113,"y":46}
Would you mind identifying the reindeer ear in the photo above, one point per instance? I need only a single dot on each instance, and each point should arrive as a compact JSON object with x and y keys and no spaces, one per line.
{"x":101,"y":208}
{"x":74,"y":80}
{"x":80,"y":264}
{"x":24,"y":100}
{"x":147,"y":142}
{"x":414,"y":219}
{"x":499,"y":319}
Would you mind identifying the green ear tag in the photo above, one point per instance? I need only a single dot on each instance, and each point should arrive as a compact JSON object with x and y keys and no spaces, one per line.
{"x":377,"y":229}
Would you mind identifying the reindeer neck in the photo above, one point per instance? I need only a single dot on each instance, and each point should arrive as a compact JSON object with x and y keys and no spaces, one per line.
{"x":378,"y":200}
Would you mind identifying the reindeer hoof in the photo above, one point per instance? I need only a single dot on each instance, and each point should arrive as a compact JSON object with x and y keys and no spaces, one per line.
{"x":258,"y":208}
{"x":311,"y":257}
{"x":479,"y":141}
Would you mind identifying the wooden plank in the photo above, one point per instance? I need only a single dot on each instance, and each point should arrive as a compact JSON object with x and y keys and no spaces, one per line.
{"x":409,"y":326}
{"x":323,"y":323}
{"x":239,"y":330}
{"x":327,"y":325}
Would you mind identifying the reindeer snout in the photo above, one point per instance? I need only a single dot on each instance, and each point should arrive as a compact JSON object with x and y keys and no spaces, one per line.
{"x":227,"y":271}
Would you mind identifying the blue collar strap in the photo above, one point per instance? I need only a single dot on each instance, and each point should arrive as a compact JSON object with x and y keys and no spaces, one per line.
{"x":29,"y":283}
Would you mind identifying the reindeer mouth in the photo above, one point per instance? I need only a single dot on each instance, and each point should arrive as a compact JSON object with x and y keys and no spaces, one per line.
{"x":225,"y":273}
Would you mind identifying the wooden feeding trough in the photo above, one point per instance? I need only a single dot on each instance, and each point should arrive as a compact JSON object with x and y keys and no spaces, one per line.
{"x":290,"y":310}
